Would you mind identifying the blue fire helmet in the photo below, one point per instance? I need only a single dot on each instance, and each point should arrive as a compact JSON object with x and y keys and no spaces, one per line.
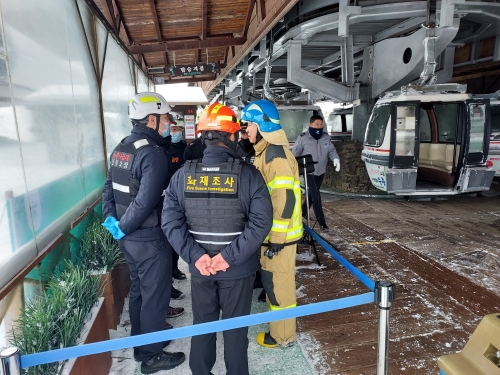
{"x":263,"y":113}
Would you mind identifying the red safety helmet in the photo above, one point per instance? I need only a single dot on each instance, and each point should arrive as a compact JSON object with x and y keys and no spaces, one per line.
{"x":218,"y":117}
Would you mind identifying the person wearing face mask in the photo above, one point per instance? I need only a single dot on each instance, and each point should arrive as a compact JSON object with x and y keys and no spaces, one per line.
{"x":132,"y":199}
{"x":277,"y":255}
{"x":317,"y":143}
{"x":176,"y":151}
{"x":245,"y":147}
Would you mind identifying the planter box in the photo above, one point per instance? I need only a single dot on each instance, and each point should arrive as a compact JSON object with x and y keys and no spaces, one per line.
{"x":95,"y":330}
{"x":116,"y":288}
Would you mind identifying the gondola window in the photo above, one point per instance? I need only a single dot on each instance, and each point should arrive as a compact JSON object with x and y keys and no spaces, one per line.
{"x":377,"y":124}
{"x":405,"y":131}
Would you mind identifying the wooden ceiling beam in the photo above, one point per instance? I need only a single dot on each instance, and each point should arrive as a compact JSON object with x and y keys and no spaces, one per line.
{"x":273,"y":14}
{"x":190,"y":80}
{"x":262,"y":9}
{"x":204,"y":19}
{"x":189,"y":38}
{"x":155,"y":20}
{"x":109,"y":12}
{"x":251,"y":6}
{"x":184,"y":45}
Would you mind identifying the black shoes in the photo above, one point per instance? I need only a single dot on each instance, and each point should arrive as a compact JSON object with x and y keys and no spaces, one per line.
{"x":162,"y":361}
{"x":324,"y":228}
{"x":174,"y":312}
{"x":176,"y":294}
{"x":178,"y":274}
{"x":262,"y":296}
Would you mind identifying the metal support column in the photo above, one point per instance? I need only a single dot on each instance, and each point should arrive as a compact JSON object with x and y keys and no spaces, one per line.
{"x":10,"y":361}
{"x":385,"y":293}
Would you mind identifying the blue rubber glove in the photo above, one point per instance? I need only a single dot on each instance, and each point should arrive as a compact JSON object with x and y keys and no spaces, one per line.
{"x":117,"y":232}
{"x":111,"y":224}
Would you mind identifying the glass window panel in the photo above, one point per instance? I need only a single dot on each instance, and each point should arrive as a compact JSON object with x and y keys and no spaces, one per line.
{"x":86,"y":103}
{"x":425,"y":127}
{"x":142,"y":82}
{"x":349,"y":120}
{"x":2,"y":46}
{"x":294,"y":122}
{"x":495,"y":122}
{"x":117,"y":89}
{"x":377,"y":124}
{"x":42,"y":87}
{"x":405,"y":131}
{"x":88,"y":25}
{"x":102,"y":38}
{"x":477,"y":125}
{"x":447,"y":115}
{"x":335,"y":122}
{"x":15,"y":219}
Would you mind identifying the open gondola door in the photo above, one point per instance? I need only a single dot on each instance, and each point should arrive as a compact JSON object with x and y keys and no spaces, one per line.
{"x":476,"y":175}
{"x":403,"y":157}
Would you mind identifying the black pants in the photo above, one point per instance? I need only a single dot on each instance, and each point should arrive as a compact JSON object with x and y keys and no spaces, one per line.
{"x":313,"y":185}
{"x":175,"y":260}
{"x":234,"y":298}
{"x":151,"y":275}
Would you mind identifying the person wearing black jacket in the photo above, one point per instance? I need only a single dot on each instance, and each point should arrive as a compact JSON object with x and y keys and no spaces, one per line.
{"x":216,"y":215}
{"x":245,"y":147}
{"x":140,"y":170}
{"x":176,"y":151}
{"x":194,"y":150}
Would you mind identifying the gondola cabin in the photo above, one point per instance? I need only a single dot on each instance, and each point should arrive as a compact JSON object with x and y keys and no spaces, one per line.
{"x":421,"y":142}
{"x":494,"y":152}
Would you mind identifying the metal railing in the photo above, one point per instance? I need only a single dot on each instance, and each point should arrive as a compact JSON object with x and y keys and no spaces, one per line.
{"x":381,"y":293}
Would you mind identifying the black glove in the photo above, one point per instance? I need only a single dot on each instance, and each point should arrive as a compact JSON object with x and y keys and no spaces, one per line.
{"x":272,"y":250}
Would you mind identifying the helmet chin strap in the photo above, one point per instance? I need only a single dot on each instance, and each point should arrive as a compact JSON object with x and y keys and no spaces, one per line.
{"x":221,"y":136}
{"x":258,"y":137}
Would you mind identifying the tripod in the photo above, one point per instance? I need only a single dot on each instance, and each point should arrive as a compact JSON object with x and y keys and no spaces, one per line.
{"x":306,"y":165}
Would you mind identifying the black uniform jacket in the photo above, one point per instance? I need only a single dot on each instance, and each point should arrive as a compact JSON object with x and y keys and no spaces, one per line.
{"x":241,"y":253}
{"x":176,"y":152}
{"x":194,"y":150}
{"x":153,"y":168}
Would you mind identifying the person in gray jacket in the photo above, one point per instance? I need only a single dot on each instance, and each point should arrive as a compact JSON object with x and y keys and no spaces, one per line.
{"x":318,"y":144}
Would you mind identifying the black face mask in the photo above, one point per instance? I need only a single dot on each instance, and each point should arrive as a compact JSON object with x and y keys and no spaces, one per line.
{"x":247,"y":144}
{"x":316,"y":133}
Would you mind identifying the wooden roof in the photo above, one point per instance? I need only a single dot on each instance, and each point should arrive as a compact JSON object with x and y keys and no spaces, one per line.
{"x":162,"y":33}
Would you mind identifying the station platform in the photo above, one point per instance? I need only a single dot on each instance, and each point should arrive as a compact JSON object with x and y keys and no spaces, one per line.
{"x":441,"y":255}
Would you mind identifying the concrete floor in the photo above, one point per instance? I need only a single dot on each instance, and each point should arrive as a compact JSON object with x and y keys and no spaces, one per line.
{"x":442,"y":255}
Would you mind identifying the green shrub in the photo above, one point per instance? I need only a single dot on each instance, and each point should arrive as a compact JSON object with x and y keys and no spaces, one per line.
{"x":99,"y":250}
{"x":55,"y":319}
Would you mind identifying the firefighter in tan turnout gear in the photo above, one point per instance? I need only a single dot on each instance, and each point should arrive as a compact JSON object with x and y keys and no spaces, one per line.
{"x":280,"y":171}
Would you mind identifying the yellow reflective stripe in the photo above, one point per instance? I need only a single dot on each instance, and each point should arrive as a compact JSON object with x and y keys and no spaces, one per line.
{"x":216,"y":108}
{"x":272,"y":307}
{"x":148,"y":99}
{"x":281,"y":182}
{"x":274,"y":121}
{"x":291,"y":233}
{"x":285,"y":222}
{"x":225,"y":118}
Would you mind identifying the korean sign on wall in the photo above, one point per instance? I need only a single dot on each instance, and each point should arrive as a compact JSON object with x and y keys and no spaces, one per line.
{"x":189,"y":127}
{"x":192,"y":70}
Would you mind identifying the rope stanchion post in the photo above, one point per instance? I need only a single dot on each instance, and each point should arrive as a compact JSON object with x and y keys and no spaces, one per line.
{"x":10,"y":361}
{"x":385,"y":292}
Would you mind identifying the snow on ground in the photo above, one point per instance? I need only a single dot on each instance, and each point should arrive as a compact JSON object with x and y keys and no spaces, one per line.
{"x":304,"y":358}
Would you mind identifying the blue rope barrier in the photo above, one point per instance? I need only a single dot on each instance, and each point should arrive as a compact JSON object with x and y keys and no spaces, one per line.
{"x":30,"y":360}
{"x":360,"y":275}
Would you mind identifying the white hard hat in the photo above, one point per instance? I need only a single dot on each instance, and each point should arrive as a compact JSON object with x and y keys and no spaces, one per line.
{"x":147,"y":103}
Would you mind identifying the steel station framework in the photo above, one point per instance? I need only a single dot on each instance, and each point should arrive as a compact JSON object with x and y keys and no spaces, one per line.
{"x":299,"y":52}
